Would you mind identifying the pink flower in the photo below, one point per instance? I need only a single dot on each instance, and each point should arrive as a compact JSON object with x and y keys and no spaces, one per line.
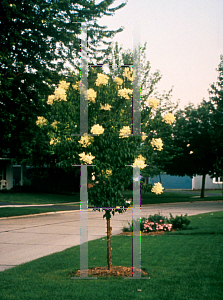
{"x":161,"y":221}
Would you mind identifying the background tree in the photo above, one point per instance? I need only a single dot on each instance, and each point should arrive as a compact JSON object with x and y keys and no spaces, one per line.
{"x":216,"y":115}
{"x":197,"y":145}
{"x":38,"y":39}
{"x":192,"y":152}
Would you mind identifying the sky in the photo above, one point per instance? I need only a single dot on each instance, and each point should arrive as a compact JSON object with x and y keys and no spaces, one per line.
{"x":184,"y":42}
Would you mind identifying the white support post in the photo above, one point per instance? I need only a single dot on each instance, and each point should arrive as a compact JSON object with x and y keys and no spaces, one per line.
{"x":83,"y":187}
{"x":136,"y":251}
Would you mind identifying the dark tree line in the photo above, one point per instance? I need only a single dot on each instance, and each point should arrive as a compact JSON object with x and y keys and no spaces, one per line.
{"x":37,"y":40}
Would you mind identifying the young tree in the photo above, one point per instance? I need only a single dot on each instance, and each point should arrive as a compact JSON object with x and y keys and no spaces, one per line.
{"x":38,"y":39}
{"x":112,"y":148}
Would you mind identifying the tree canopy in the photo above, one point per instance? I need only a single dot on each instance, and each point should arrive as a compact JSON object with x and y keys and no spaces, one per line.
{"x":216,"y":114}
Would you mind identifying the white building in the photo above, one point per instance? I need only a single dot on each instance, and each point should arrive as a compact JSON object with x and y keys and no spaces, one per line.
{"x":197,"y":182}
{"x":6,"y":173}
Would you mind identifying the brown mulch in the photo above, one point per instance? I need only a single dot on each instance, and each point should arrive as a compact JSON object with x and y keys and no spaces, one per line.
{"x":159,"y":232}
{"x":119,"y":271}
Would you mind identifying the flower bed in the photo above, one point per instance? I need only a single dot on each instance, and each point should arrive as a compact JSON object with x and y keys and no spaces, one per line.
{"x":151,"y":226}
{"x":159,"y":223}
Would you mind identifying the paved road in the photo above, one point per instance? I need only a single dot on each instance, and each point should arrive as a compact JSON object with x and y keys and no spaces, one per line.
{"x":27,"y":238}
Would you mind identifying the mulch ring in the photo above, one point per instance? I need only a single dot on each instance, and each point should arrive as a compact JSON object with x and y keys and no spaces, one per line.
{"x":115,"y":271}
{"x":158,"y":232}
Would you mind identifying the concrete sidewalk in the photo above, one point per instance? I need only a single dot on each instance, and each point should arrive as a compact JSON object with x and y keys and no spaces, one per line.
{"x":27,"y":238}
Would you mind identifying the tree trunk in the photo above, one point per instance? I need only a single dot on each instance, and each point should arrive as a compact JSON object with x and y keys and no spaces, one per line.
{"x":109,"y":232}
{"x":203,"y":185}
{"x":21,"y":181}
{"x":146,"y":180}
{"x":160,"y":178}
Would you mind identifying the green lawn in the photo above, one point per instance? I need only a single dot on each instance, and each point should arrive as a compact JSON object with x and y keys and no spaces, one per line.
{"x":147,"y":198}
{"x":219,"y":192}
{"x":172,"y":196}
{"x":21,"y":211}
{"x":182,"y":266}
{"x":35,"y":198}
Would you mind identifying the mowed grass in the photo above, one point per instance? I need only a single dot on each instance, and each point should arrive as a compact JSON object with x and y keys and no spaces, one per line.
{"x":37,"y":198}
{"x":184,"y":266}
{"x":216,"y":192}
{"x":34,"y":199}
{"x":146,"y":198}
{"x":21,"y":211}
{"x":172,"y":197}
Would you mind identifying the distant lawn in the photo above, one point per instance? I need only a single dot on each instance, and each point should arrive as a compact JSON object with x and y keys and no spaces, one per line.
{"x":37,"y":198}
{"x":182,"y":266}
{"x":171,"y":197}
{"x":215,"y":192}
{"x":20,"y":211}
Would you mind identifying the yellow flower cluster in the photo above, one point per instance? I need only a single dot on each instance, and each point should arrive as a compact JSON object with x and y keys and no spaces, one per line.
{"x":106,"y":106}
{"x":157,"y":188}
{"x":169,"y":118}
{"x":87,"y":158}
{"x":118,"y":80}
{"x":76,"y":86}
{"x":102,"y":79}
{"x":54,"y":124}
{"x":124,"y":131}
{"x":59,"y":93}
{"x":127,"y":73}
{"x":107,"y":173}
{"x":152,"y":102}
{"x":64,"y":85}
{"x":144,"y":137}
{"x":97,"y":129}
{"x":124,"y":93}
{"x":140,"y":162}
{"x":157,"y":144}
{"x":54,"y":141}
{"x":91,"y":95}
{"x":41,"y":121}
{"x":86,"y":141}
